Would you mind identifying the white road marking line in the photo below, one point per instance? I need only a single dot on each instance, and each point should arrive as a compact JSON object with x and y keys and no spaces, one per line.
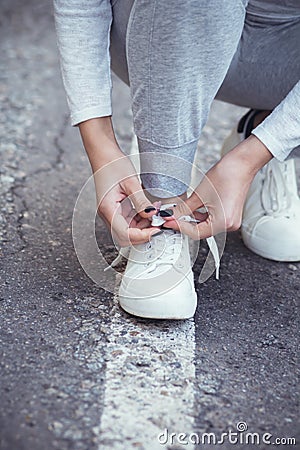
{"x":150,"y":377}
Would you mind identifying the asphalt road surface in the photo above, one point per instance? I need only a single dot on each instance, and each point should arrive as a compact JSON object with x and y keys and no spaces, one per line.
{"x":78,"y":373}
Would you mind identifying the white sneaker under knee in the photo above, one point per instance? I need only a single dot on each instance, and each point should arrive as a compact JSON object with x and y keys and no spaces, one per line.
{"x":271,"y":216}
{"x":158,"y":282}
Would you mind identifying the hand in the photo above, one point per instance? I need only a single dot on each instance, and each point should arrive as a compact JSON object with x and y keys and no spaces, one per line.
{"x":119,"y":193}
{"x":222,"y":192}
{"x":122,"y":203}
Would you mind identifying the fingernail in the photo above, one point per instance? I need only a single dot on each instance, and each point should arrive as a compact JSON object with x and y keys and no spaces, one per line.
{"x":166,"y":213}
{"x":149,"y":209}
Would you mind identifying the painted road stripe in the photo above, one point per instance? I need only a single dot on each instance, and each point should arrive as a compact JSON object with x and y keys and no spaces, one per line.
{"x":149,"y":382}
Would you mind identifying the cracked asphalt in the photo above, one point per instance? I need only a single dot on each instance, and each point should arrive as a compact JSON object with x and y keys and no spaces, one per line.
{"x":57,"y":326}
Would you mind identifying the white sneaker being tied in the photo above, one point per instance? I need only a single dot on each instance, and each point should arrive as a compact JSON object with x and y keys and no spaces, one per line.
{"x":158,"y":282}
{"x":271,"y":217}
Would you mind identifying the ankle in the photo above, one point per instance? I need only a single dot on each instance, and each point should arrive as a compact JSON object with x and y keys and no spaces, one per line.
{"x":164,"y":201}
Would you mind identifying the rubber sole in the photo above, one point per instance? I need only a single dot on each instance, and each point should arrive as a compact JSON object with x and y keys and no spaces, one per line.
{"x":161,"y":308}
{"x":262,"y":248}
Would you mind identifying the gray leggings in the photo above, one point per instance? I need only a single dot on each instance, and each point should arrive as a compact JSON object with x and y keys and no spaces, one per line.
{"x":178,"y":56}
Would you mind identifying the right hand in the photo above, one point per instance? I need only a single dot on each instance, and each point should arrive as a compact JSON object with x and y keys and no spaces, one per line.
{"x":120,"y":197}
{"x":122,"y":203}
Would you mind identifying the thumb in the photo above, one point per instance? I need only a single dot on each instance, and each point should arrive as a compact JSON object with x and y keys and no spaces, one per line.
{"x":141,"y":203}
{"x":194,"y":202}
{"x":202,"y":230}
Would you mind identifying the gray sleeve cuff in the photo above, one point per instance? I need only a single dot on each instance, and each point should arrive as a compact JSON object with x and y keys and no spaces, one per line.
{"x":92,"y":112}
{"x":271,"y":143}
{"x":280,"y":131}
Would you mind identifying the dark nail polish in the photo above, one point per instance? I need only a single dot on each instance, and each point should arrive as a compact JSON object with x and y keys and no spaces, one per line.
{"x":166,"y":213}
{"x":149,"y":209}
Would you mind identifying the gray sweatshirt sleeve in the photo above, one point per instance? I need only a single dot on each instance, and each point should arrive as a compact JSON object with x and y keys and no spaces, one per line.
{"x":83,"y":35}
{"x":280,"y":131}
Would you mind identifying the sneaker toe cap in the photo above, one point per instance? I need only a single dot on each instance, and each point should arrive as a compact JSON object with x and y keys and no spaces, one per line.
{"x":276,"y":238}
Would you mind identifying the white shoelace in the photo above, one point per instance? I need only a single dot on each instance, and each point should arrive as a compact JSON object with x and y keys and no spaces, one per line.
{"x":166,"y":243}
{"x":275,"y":194}
{"x":213,"y":247}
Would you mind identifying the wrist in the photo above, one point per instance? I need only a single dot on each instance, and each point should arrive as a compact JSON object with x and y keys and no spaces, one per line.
{"x":251,"y":154}
{"x":99,"y":141}
{"x":95,"y":130}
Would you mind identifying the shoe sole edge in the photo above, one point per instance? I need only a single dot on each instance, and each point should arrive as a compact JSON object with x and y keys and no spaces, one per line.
{"x":274,"y":256}
{"x":164,"y":309}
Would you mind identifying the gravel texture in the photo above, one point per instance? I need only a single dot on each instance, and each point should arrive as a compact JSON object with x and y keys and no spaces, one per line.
{"x":60,"y":333}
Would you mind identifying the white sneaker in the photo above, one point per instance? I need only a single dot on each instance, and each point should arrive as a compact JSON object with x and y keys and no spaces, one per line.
{"x":158,"y":282}
{"x":271,"y":217}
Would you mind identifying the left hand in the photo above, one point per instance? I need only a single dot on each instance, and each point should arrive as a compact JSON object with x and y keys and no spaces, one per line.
{"x":222,"y":192}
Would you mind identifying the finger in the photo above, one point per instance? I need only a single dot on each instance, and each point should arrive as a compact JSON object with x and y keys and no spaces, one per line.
{"x":141,"y":203}
{"x":185,"y":208}
{"x":184,"y":227}
{"x":204,"y":229}
{"x":142,"y":223}
{"x":194,"y":202}
{"x":201,"y":216}
{"x":181,"y":209}
{"x":137,"y":236}
{"x":126,"y":236}
{"x":184,"y":212}
{"x":199,"y":231}
{"x":127,"y":210}
{"x":130,"y":214}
